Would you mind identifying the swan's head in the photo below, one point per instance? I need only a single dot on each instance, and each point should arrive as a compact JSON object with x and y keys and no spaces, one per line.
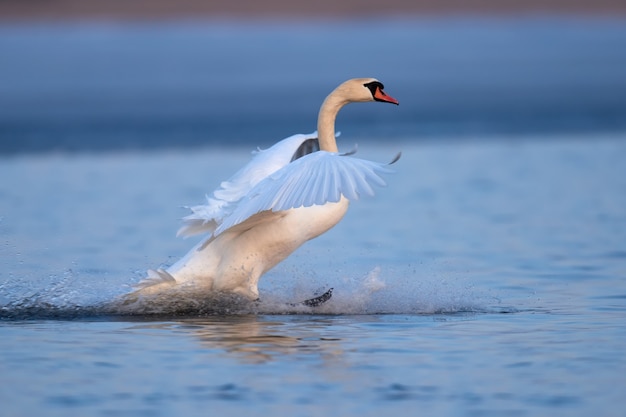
{"x":365,"y":89}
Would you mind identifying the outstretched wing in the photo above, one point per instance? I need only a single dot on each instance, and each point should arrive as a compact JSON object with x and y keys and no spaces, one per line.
{"x":221,"y":203}
{"x":315,"y":179}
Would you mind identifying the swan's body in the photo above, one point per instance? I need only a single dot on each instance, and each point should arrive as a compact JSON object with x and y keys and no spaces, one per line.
{"x":287,"y":195}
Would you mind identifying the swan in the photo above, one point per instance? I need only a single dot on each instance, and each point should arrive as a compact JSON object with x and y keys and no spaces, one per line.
{"x":286,"y":195}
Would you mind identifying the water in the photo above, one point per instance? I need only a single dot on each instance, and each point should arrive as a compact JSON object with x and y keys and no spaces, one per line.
{"x":128,"y":86}
{"x":499,"y":267}
{"x":488,"y":278}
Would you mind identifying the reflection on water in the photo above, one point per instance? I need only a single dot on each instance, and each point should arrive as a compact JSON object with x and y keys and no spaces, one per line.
{"x":485,"y":364}
{"x":255,"y":339}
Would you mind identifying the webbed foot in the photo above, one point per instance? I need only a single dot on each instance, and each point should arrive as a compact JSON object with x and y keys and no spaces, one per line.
{"x":318,"y":301}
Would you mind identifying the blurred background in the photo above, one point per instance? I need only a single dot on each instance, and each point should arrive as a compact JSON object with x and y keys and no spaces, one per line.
{"x":79,"y":75}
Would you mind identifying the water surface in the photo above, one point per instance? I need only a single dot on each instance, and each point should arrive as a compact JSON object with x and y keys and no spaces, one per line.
{"x":488,"y":278}
{"x":188,"y":84}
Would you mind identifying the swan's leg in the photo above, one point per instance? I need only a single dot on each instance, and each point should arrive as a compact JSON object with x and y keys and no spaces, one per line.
{"x":251,"y":293}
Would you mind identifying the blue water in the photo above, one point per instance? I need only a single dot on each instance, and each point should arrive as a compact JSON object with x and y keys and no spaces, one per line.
{"x":119,"y":86}
{"x":488,"y":278}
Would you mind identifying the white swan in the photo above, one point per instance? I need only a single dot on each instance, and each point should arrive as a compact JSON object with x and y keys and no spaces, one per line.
{"x":287,"y":195}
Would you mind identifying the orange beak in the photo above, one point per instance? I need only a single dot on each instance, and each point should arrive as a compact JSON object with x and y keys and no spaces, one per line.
{"x":381,"y":96}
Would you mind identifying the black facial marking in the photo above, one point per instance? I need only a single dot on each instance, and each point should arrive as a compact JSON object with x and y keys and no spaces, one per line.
{"x":373,"y":86}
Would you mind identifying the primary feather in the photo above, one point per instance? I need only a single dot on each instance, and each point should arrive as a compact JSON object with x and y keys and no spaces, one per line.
{"x":315,"y":179}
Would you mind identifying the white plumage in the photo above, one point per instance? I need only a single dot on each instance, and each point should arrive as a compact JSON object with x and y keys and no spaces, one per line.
{"x":284,"y":196}
{"x":315,"y":179}
{"x":220,"y":204}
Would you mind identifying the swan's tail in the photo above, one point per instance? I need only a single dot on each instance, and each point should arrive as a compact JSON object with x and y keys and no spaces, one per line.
{"x":160,"y":276}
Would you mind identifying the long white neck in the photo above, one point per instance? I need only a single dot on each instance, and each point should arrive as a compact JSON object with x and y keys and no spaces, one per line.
{"x":326,"y":119}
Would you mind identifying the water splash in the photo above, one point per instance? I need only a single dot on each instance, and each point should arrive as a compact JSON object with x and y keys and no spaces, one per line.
{"x":61,"y":297}
{"x":366,"y":294}
{"x":386,"y":292}
{"x":72,"y":296}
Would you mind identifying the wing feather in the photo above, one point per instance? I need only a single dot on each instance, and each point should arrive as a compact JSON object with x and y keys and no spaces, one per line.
{"x":314,"y":179}
{"x":220,"y":204}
